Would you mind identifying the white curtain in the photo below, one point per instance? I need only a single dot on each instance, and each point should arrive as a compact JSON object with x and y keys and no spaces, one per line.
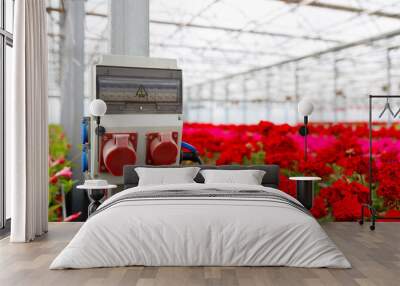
{"x":26,"y":123}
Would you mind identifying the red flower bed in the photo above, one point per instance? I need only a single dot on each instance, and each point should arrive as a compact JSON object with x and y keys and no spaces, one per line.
{"x":337,"y":152}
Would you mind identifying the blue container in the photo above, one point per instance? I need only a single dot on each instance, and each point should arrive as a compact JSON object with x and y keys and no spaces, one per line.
{"x":85,"y":130}
{"x":84,"y":159}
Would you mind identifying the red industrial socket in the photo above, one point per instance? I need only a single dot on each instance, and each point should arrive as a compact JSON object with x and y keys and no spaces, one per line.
{"x":162,"y":148}
{"x":117,"y":150}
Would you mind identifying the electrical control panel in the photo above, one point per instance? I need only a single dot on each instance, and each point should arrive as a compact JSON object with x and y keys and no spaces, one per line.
{"x":143,"y":122}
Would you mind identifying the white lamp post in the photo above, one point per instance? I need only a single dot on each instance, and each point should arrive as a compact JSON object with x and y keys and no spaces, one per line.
{"x":305,"y":108}
{"x":97,"y":109}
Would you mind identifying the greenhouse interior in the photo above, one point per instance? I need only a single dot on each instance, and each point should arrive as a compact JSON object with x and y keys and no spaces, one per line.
{"x":301,"y":95}
{"x":243,"y":65}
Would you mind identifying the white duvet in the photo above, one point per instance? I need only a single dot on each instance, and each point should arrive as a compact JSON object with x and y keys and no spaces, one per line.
{"x":194,"y":231}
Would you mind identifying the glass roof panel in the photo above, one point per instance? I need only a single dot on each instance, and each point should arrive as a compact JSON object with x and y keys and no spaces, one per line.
{"x":215,"y":39}
{"x":269,"y":31}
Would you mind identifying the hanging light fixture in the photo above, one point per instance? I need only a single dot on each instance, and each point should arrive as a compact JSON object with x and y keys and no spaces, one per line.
{"x":97,"y":109}
{"x":305,"y":108}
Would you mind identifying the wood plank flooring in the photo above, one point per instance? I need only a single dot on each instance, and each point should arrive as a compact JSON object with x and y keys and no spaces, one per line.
{"x":375,"y":257}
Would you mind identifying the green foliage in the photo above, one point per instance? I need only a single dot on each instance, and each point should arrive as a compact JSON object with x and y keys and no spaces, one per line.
{"x":58,"y":143}
{"x":256,"y":158}
{"x":328,"y":218}
{"x":378,"y":202}
{"x":59,"y":170}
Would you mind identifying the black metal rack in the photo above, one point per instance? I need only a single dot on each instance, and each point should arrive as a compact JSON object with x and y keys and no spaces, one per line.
{"x":369,"y":205}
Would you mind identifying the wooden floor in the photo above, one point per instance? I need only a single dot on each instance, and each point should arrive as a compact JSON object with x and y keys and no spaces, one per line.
{"x":375,"y":257}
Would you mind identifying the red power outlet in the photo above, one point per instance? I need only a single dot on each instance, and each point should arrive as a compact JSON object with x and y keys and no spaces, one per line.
{"x":116,"y":151}
{"x":161,"y":148}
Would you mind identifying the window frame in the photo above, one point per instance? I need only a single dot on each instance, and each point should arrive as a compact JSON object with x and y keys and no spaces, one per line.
{"x":6,"y":39}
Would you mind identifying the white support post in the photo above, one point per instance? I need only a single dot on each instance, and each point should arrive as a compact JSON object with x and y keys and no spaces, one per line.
{"x":130,"y":27}
{"x":335,"y":89}
{"x":198,"y":102}
{"x":212,"y":102}
{"x":268,"y":96}
{"x":227,"y":103}
{"x":72,"y":86}
{"x":244,"y":101}
{"x":186,"y":107}
{"x":73,"y":69}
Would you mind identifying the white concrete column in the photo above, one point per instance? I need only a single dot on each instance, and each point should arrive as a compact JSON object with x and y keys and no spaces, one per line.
{"x":72,"y":89}
{"x":72,"y":76}
{"x":129,"y":27}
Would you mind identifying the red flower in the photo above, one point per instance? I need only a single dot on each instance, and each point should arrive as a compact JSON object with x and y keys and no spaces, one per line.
{"x":53,"y":180}
{"x":287,"y":186}
{"x":347,"y":209}
{"x":388,"y":175}
{"x":57,"y":162}
{"x":73,"y":217}
{"x":319,"y":208}
{"x":65,"y":172}
{"x":316,"y":167}
{"x":281,"y":150}
{"x":341,"y":144}
{"x":339,"y":189}
{"x":391,"y":215}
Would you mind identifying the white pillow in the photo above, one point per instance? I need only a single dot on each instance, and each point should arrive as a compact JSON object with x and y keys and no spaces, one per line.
{"x":248,"y":177}
{"x":166,"y":176}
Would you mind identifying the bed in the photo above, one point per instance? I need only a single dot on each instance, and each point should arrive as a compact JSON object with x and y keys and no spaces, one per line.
{"x":197,"y":224}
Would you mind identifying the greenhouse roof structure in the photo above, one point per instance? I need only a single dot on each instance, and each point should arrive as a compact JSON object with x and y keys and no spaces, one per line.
{"x":285,"y":47}
{"x":214,"y":38}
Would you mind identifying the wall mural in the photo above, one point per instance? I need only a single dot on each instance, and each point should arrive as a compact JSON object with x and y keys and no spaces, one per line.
{"x":60,"y":174}
{"x":338,"y":153}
